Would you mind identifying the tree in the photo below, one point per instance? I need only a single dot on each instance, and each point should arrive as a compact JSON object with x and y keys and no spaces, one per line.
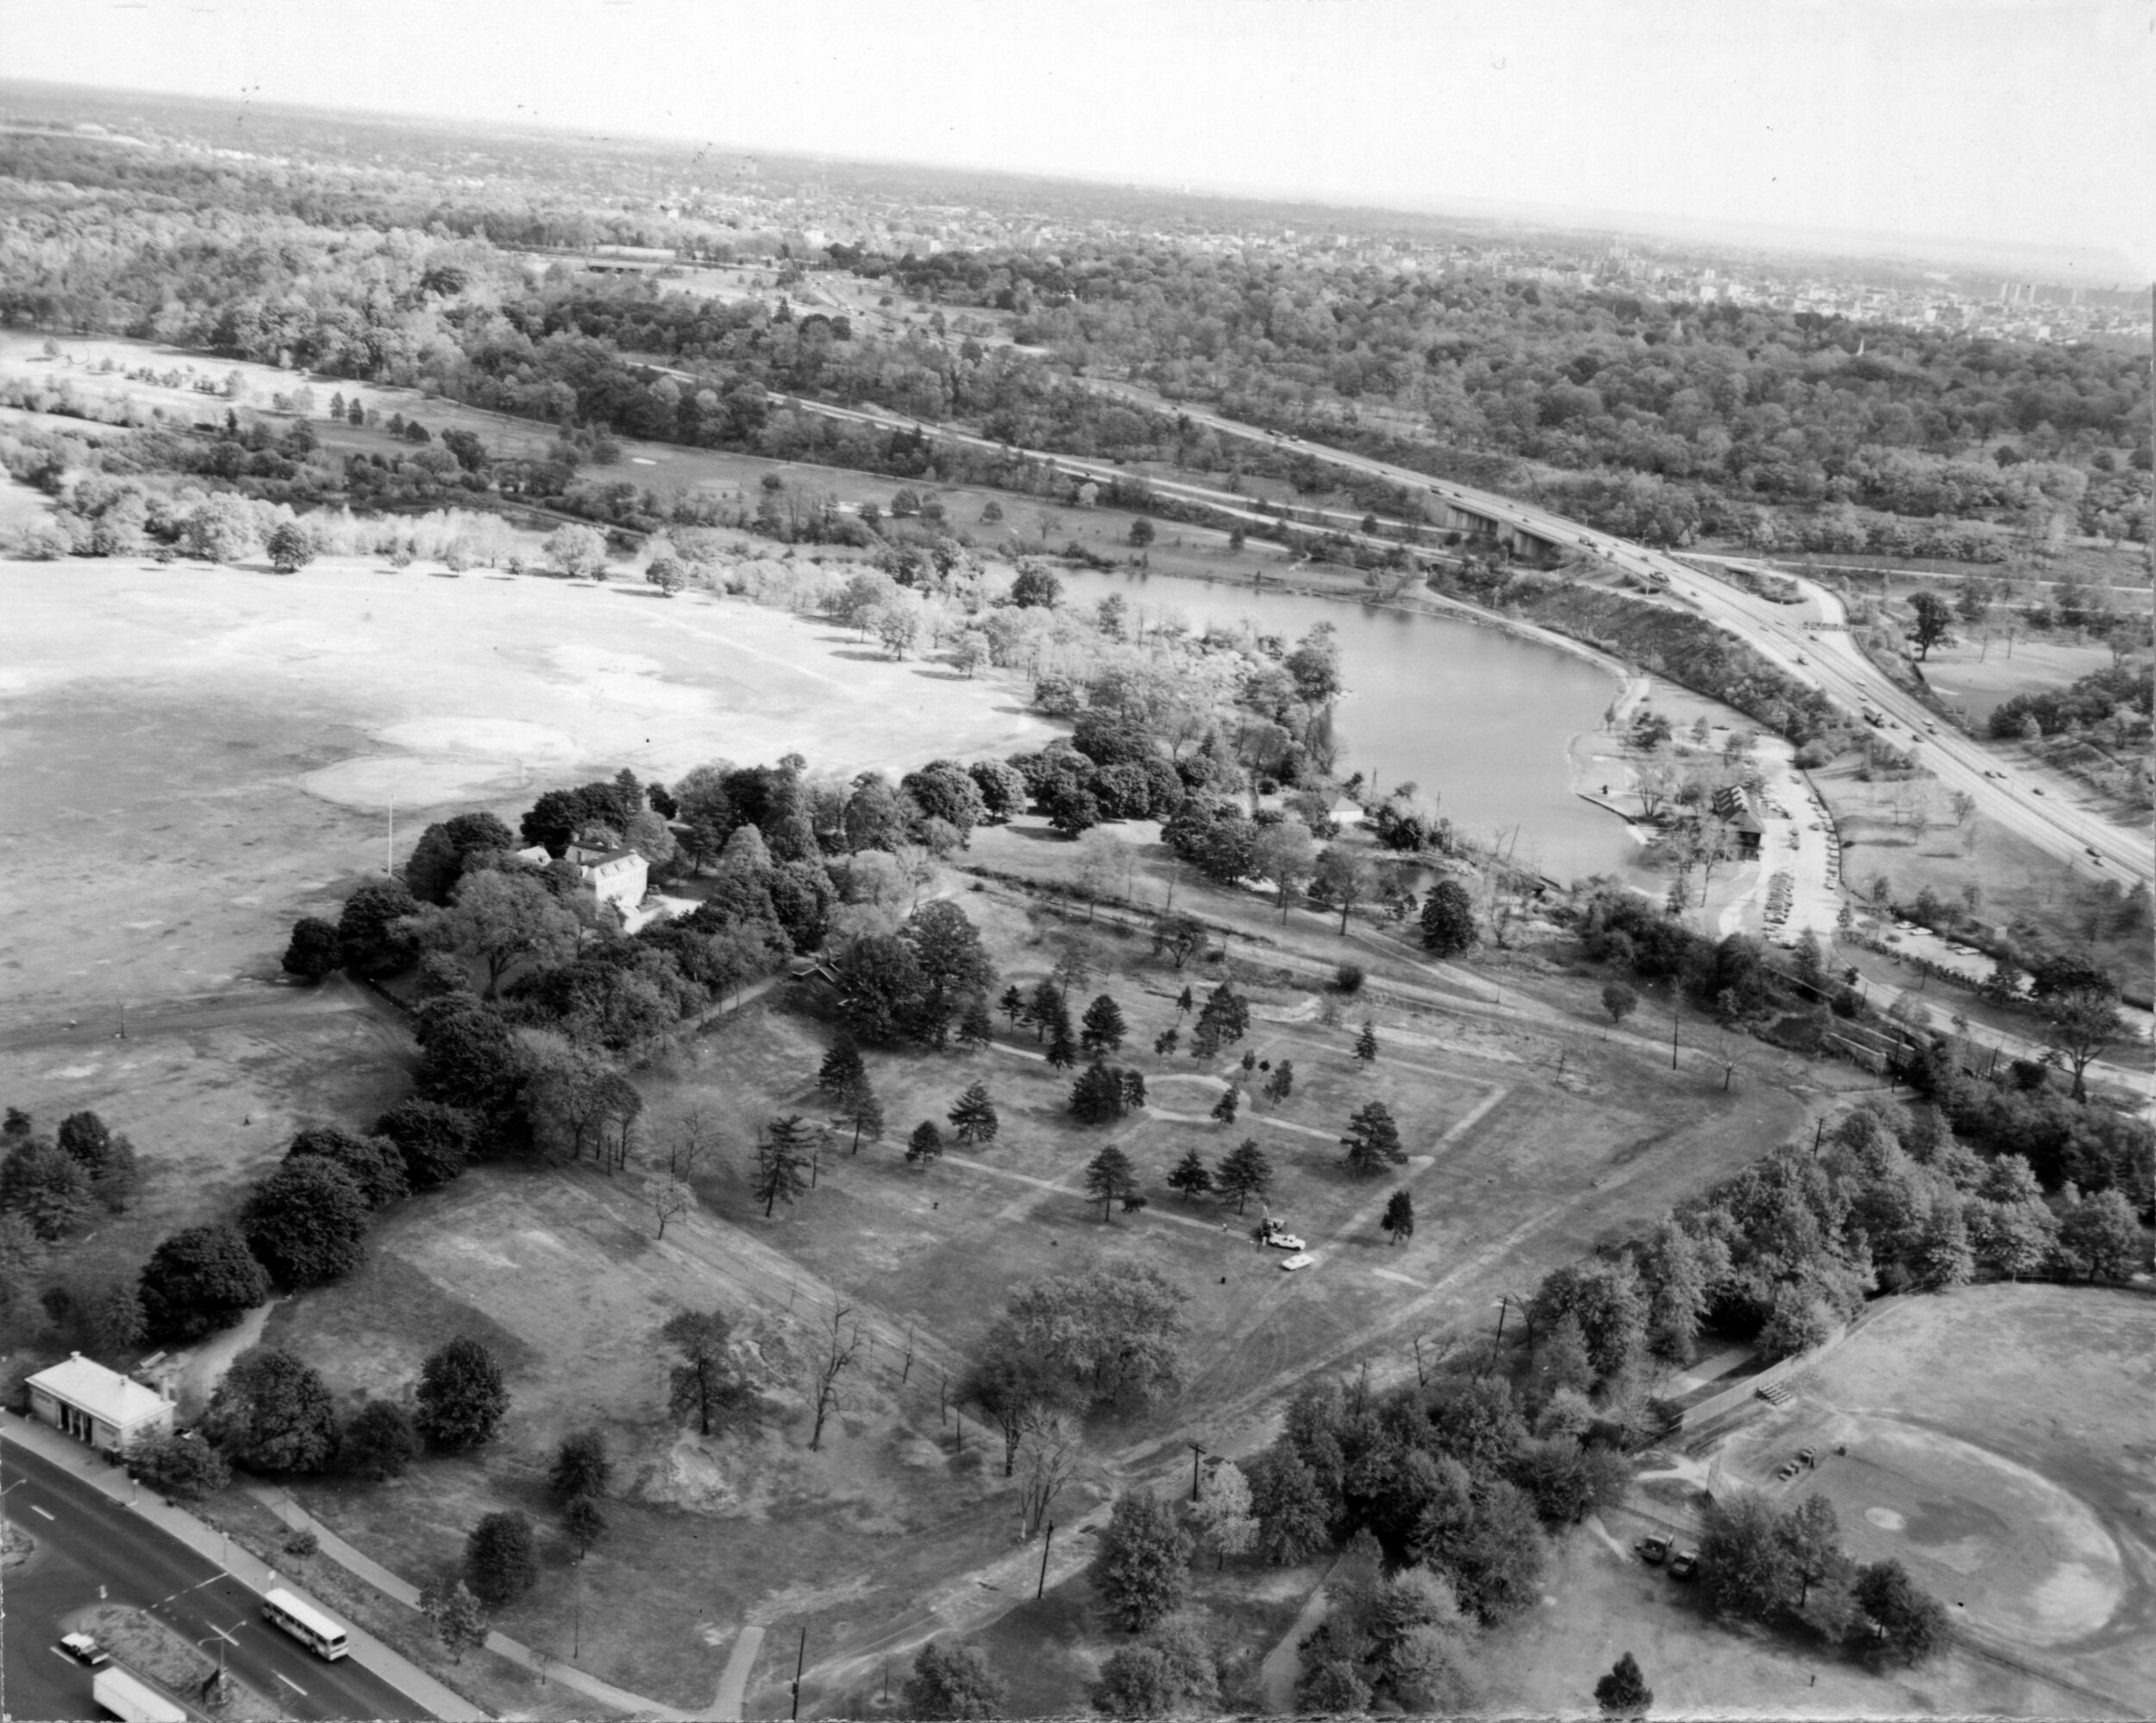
{"x":1230,"y":1101}
{"x":1745,"y":1558}
{"x":582,"y":1466}
{"x":1366,"y":1044}
{"x":1035,"y":588}
{"x":272,"y":1413}
{"x":1286,"y":853}
{"x":1345,"y":877}
{"x":2099,"y":1237}
{"x":379,"y":1441}
{"x":178,"y":1465}
{"x":1110,"y":1176}
{"x":976,"y":1028}
{"x":834,"y":1357}
{"x":1910,"y":1622}
{"x":306,"y":1223}
{"x":859,"y":1111}
{"x":1372,"y":1141}
{"x":200,"y":1279}
{"x":461,"y":1396}
{"x":315,"y":949}
{"x":1115,"y":1331}
{"x":1619,"y":1001}
{"x":668,"y":1199}
{"x":1624,"y":1691}
{"x":1009,"y":1382}
{"x":1244,"y":1173}
{"x":1188,"y":1177}
{"x":1448,"y":919}
{"x":1097,"y":1096}
{"x":45,"y":1185}
{"x":1141,"y":1567}
{"x":1933,"y":618}
{"x":1181,"y":937}
{"x":434,"y":1140}
{"x":506,"y":919}
{"x":2081,"y":1022}
{"x":953,"y":1680}
{"x":1810,"y":1536}
{"x":973,"y":1117}
{"x":1101,"y":1028}
{"x":1226,"y":1522}
{"x":782,"y":1154}
{"x":1011,"y":1003}
{"x":667,"y":573}
{"x":458,"y":1621}
{"x":446,"y":849}
{"x":373,"y":930}
{"x":925,"y":1146}
{"x":1290,"y":1505}
{"x":1399,"y":1217}
{"x":583,"y":1519}
{"x":576,"y":551}
{"x":376,"y":1165}
{"x":842,"y":1068}
{"x":1281,"y":1083}
{"x":500,"y":1564}
{"x":706,"y":1384}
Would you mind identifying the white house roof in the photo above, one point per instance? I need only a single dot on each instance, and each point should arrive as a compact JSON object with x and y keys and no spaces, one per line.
{"x":88,"y":1386}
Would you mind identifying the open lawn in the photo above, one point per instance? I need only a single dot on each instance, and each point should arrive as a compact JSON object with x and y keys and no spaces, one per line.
{"x":1983,"y":674}
{"x":194,"y":755}
{"x":1514,"y":1166}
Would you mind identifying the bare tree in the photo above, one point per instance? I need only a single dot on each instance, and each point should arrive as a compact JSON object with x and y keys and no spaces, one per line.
{"x":835,"y":1357}
{"x":1047,"y":1459}
{"x":668,"y":1196}
{"x":695,"y":1134}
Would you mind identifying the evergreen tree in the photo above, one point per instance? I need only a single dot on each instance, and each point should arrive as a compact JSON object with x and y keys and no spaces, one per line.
{"x":842,"y":1068}
{"x":582,"y":1466}
{"x":860,"y":1112}
{"x":1110,"y":1176}
{"x":1281,"y":1083}
{"x":1166,"y":1042}
{"x":975,"y":1116}
{"x":1183,"y":1003}
{"x":1624,"y":1691}
{"x":1062,"y":1053}
{"x":976,"y":1028}
{"x":1101,"y":1027}
{"x":1096,"y":1098}
{"x":1448,"y":919}
{"x":1366,"y":1044}
{"x":584,"y":1522}
{"x":1132,"y":1084}
{"x":1231,"y":1102}
{"x":1012,"y":1004}
{"x":1244,"y":1173}
{"x":500,"y":1564}
{"x":782,"y":1153}
{"x":925,"y":1145}
{"x":1044,"y":1009}
{"x":1399,"y":1217}
{"x":1372,"y":1141}
{"x":1189,"y":1176}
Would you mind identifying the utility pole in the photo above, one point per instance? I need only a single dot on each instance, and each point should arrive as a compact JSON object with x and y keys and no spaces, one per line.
{"x":1196,"y":1449}
{"x":1675,"y":1005}
{"x":1046,"y":1544}
{"x":1504,"y":1309}
{"x":800,"y":1661}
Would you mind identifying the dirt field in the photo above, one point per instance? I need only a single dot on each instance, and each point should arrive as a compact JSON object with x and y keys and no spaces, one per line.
{"x":193,"y":756}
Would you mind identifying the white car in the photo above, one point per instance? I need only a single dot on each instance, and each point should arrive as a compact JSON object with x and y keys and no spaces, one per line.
{"x":1302,"y":1259}
{"x":1278,"y":1237}
{"x":84,"y":1648}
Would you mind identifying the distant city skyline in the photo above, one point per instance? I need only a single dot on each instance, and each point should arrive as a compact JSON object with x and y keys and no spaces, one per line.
{"x":1973,"y":127}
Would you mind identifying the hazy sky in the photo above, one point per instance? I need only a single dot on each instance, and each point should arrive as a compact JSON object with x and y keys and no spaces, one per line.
{"x":2003,"y":120}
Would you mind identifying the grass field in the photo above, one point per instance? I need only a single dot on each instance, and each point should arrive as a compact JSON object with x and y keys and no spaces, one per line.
{"x":193,"y":756}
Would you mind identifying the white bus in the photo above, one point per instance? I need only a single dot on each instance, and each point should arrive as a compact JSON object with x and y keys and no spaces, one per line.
{"x":306,"y":1624}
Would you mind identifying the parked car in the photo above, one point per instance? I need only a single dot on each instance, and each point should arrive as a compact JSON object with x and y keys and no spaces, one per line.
{"x":1683,"y":1566}
{"x":1653,"y":1550}
{"x":1275,"y":1234}
{"x":84,"y":1648}
{"x":1302,"y":1259}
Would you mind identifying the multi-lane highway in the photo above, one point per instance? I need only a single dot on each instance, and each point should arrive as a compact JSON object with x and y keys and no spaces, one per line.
{"x":91,"y":1549}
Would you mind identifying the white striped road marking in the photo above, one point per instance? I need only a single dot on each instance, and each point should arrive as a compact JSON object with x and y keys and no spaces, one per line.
{"x":293,"y":1685}
{"x":39,"y":1512}
{"x":1405,"y":1280}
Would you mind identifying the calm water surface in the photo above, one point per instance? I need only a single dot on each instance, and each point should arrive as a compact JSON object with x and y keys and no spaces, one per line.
{"x":1477,"y":718}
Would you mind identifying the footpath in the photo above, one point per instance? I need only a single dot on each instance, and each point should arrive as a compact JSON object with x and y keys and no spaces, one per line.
{"x":370,"y":1653}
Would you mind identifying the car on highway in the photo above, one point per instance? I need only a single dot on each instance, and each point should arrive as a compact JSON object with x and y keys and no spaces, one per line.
{"x":1302,"y":1259}
{"x":84,"y":1649}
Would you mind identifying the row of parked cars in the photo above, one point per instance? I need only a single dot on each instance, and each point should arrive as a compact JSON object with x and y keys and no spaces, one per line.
{"x":1655,"y":1551}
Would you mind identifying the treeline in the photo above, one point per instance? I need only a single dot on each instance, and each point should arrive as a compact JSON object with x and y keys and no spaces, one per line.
{"x":1739,"y":401}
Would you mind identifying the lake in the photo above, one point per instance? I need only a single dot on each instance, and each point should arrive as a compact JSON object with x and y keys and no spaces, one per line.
{"x":1478,"y":719}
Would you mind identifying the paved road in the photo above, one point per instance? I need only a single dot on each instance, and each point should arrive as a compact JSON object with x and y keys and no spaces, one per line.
{"x":85,"y":1540}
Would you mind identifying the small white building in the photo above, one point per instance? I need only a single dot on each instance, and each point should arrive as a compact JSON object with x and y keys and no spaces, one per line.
{"x":618,"y":877}
{"x":101,"y":1408}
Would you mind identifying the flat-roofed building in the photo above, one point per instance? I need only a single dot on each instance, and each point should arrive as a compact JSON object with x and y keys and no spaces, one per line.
{"x":108,"y":1411}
